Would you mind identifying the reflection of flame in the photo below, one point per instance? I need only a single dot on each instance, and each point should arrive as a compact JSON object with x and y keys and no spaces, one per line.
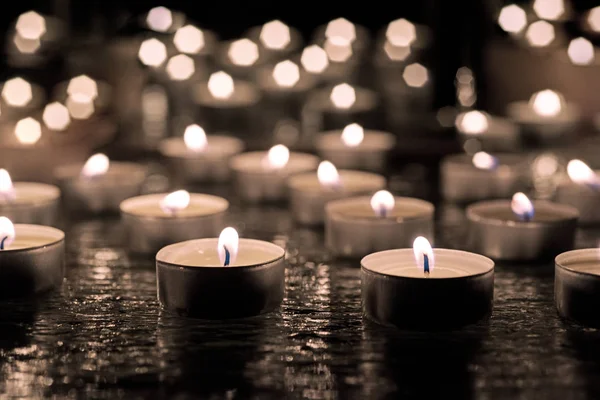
{"x":423,"y":254}
{"x":581,"y":173}
{"x":80,"y":106}
{"x":28,"y":131}
{"x":328,"y":175}
{"x":228,"y":245}
{"x":176,"y":201}
{"x":286,"y":73}
{"x":472,"y":122}
{"x":275,"y":35}
{"x":382,"y":203}
{"x":96,"y":165}
{"x":7,"y":233}
{"x":353,"y":135}
{"x":243,"y":52}
{"x":343,"y":96}
{"x":220,"y":85}
{"x":277,"y":157}
{"x":546,"y":103}
{"x":483,"y":160}
{"x":7,"y":190}
{"x":314,"y":59}
{"x":522,"y":207}
{"x":26,"y":46}
{"x":189,"y":39}
{"x":512,"y":19}
{"x":195,"y":138}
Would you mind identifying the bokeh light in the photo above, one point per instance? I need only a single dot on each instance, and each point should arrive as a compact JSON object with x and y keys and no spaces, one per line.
{"x":286,"y":73}
{"x":160,"y":19}
{"x":243,"y":52}
{"x":31,"y":25}
{"x":401,"y":32}
{"x":343,"y":96}
{"x":415,"y":75}
{"x":189,"y":39}
{"x":540,"y":34}
{"x":220,"y":85}
{"x":512,"y":19}
{"x":593,"y":19}
{"x":314,"y":59}
{"x":180,"y":67}
{"x":549,"y":9}
{"x":28,"y":131}
{"x":581,"y":51}
{"x":341,"y":32}
{"x":152,"y":53}
{"x":83,"y":85}
{"x":547,"y":103}
{"x":56,"y":116}
{"x":17,"y":92}
{"x":275,"y":35}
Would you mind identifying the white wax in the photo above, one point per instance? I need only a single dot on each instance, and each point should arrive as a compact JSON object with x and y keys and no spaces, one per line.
{"x":218,"y":146}
{"x":149,"y":206}
{"x":34,"y":236}
{"x":244,"y":94}
{"x":350,"y":182}
{"x":373,"y":141}
{"x":255,"y":162}
{"x":30,"y":193}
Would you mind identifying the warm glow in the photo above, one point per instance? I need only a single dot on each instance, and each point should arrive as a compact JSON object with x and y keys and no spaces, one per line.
{"x":26,"y":46}
{"x":423,"y":254}
{"x":56,"y":116}
{"x":277,"y":157}
{"x":180,"y":67}
{"x":483,"y":160}
{"x":581,"y":51}
{"x":328,"y":175}
{"x":549,"y":9}
{"x":152,"y":52}
{"x":7,"y":190}
{"x":396,"y":53}
{"x":228,"y":245}
{"x":17,"y":92}
{"x":540,"y":34}
{"x":243,"y":52}
{"x":581,"y":173}
{"x":341,"y":32}
{"x":195,"y":138}
{"x":220,"y":85}
{"x":546,"y":103}
{"x":314,"y":59}
{"x":472,"y":122}
{"x":337,"y":52}
{"x":343,"y":96}
{"x":546,"y":165}
{"x":7,"y":233}
{"x":28,"y":131}
{"x":83,"y":85}
{"x":96,"y":165}
{"x":382,"y":203}
{"x":401,"y":32}
{"x":275,"y":35}
{"x":512,"y":19}
{"x":189,"y":39}
{"x":593,"y":19}
{"x":286,"y":73}
{"x":174,"y":202}
{"x":80,"y":106}
{"x":159,"y":19}
{"x":415,"y":75}
{"x":31,"y":25}
{"x":522,"y":206}
{"x":353,"y":135}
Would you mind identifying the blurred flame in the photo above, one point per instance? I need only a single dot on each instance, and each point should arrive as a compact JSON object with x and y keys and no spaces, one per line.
{"x":189,"y":39}
{"x":401,"y":32}
{"x":152,"y":52}
{"x":483,"y":160}
{"x":581,"y":173}
{"x":328,"y":175}
{"x":512,"y":19}
{"x":593,"y":19}
{"x":195,"y":138}
{"x":353,"y":135}
{"x":314,"y":59}
{"x":415,"y":75}
{"x":7,"y":190}
{"x":243,"y":52}
{"x":17,"y":92}
{"x":83,"y":85}
{"x":228,"y":244}
{"x":522,"y":206}
{"x":549,"y":9}
{"x":581,"y":51}
{"x":341,"y":32}
{"x":220,"y":85}
{"x":31,"y":25}
{"x":56,"y":116}
{"x":286,"y":73}
{"x":176,"y":201}
{"x":160,"y":19}
{"x":382,"y":203}
{"x":96,"y":165}
{"x":343,"y":96}
{"x":277,"y":157}
{"x":28,"y":131}
{"x":546,"y":103}
{"x":422,"y":248}
{"x":180,"y":67}
{"x":472,"y":122}
{"x":540,"y":34}
{"x":275,"y":35}
{"x":7,"y":233}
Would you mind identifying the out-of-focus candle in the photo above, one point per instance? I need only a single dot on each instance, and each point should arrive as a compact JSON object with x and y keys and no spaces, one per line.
{"x":581,"y":189}
{"x":494,"y":133}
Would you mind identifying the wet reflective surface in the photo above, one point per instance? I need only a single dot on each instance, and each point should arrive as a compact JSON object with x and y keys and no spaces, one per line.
{"x":103,"y":336}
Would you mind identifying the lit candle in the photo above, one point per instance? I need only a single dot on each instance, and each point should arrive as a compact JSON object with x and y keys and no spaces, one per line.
{"x":357,"y":226}
{"x":275,"y":39}
{"x":241,"y":57}
{"x":356,"y":148}
{"x":157,"y":220}
{"x":492,"y":132}
{"x":99,"y":185}
{"x":197,"y":157}
{"x":284,"y":79}
{"x":581,"y":189}
{"x":310,"y":192}
{"x":261,"y":176}
{"x":28,"y":202}
{"x":20,"y":98}
{"x":32,"y":259}
{"x":455,"y":287}
{"x":221,"y":278}
{"x":465,"y":178}
{"x":521,"y":229}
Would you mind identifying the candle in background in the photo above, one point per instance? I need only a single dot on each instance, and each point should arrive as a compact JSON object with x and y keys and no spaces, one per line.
{"x":240,"y":58}
{"x":200,"y":44}
{"x":581,"y":189}
{"x":20,"y":98}
{"x":491,"y":133}
{"x":276,"y":40}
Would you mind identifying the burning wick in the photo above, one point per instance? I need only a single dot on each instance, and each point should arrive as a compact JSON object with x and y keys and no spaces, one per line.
{"x":426,"y":265}
{"x":227,"y":256}
{"x":2,"y":242}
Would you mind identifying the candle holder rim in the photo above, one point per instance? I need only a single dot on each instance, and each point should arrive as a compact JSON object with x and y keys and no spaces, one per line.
{"x":60,"y":238}
{"x":473,"y":216}
{"x":561,"y":261}
{"x":225,"y":202}
{"x":427,"y":214}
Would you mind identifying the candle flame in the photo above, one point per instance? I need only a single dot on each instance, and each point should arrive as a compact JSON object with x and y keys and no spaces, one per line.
{"x":472,"y":123}
{"x":31,"y":25}
{"x":550,"y":10}
{"x":228,"y":245}
{"x":328,"y":175}
{"x":152,"y":52}
{"x":7,"y":233}
{"x":483,"y":160}
{"x":275,"y":35}
{"x":353,"y":135}
{"x":83,"y":85}
{"x":160,"y":19}
{"x":581,"y":173}
{"x":512,"y":18}
{"x":56,"y":116}
{"x":401,"y":32}
{"x":28,"y":131}
{"x":96,"y":165}
{"x":243,"y":52}
{"x":195,"y":138}
{"x":174,"y":202}
{"x":340,"y":31}
{"x":382,"y":203}
{"x":7,"y":190}
{"x":546,"y":103}
{"x":277,"y":157}
{"x":17,"y":92}
{"x":181,"y":67}
{"x":522,"y":207}
{"x":314,"y":59}
{"x":581,"y":51}
{"x":189,"y":39}
{"x":220,"y":85}
{"x":423,"y":255}
{"x":286,"y":73}
{"x":343,"y":96}
{"x":540,"y":34}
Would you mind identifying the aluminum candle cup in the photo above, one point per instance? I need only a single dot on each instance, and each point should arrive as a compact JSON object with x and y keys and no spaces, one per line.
{"x":208,"y":165}
{"x":33,"y":263}
{"x":463,"y":182}
{"x":458,"y":291}
{"x":370,"y":154}
{"x":149,"y":227}
{"x":584,"y":198}
{"x":353,"y":229}
{"x":577,"y":286}
{"x":308,"y":197}
{"x":191,"y":280}
{"x":33,"y":203}
{"x":257,"y":181}
{"x":496,"y":232}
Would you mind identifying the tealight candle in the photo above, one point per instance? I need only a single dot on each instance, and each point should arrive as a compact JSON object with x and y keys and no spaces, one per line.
{"x":581,"y":189}
{"x":197,"y":157}
{"x":356,"y":148}
{"x":156,"y":220}
{"x":99,"y":185}
{"x":357,"y":226}
{"x":520,"y":229}
{"x":310,"y":192}
{"x":577,"y":285}
{"x":494,"y":133}
{"x":466,"y":178}
{"x":32,"y":259}
{"x":262,"y":176}
{"x":545,"y":118}
{"x":221,"y":278}
{"x":425,"y":288}
{"x":28,"y":202}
